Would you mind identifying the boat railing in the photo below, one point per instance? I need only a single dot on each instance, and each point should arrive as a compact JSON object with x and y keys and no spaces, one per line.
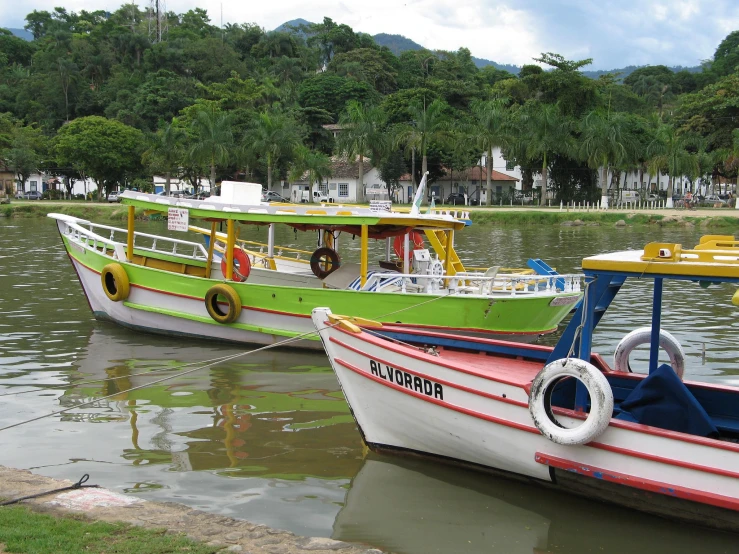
{"x":259,"y":251}
{"x":465,"y":283}
{"x":93,"y":235}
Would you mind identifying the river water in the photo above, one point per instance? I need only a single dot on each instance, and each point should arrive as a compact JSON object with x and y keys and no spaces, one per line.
{"x":268,"y":437}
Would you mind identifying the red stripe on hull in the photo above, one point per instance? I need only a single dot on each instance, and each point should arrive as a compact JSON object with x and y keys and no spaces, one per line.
{"x":435,"y":379}
{"x":662,"y":460}
{"x":461,"y":410}
{"x":666,"y":489}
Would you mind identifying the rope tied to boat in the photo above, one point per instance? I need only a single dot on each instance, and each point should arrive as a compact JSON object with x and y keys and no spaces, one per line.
{"x":205,"y":366}
{"x":78,"y":485}
{"x":578,"y":330}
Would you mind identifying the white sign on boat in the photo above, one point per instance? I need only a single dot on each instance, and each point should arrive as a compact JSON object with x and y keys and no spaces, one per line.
{"x":178,"y":219}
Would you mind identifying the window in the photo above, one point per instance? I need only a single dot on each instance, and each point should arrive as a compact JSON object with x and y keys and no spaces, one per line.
{"x":332,"y":186}
{"x":343,"y":189}
{"x":323,"y":187}
{"x":510,"y":166}
{"x":34,"y":185}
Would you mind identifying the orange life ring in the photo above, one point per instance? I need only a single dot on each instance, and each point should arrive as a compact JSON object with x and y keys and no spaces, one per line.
{"x":324,"y":261}
{"x":242,"y":265}
{"x":414,"y":238}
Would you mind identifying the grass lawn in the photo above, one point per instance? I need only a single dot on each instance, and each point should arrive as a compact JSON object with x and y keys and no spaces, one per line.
{"x":25,"y":531}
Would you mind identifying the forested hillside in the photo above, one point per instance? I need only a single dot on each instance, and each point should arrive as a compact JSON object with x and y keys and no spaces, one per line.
{"x":117,"y":98}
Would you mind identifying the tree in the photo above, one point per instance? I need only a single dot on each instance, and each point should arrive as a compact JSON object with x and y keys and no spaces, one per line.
{"x":68,"y":76}
{"x":165,"y":153}
{"x":372,"y":68}
{"x":428,"y":124}
{"x":315,"y":163}
{"x":605,"y":142}
{"x":545,"y":131}
{"x":23,"y":156}
{"x":489,"y":131}
{"x":102,"y":149}
{"x":331,"y":92}
{"x":213,"y":139}
{"x":558,"y":61}
{"x":274,"y":136}
{"x":669,"y":151}
{"x":391,"y":169}
{"x":361,"y":135}
{"x":726,"y":57}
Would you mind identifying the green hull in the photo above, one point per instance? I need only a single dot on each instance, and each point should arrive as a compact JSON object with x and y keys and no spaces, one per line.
{"x":514,"y":315}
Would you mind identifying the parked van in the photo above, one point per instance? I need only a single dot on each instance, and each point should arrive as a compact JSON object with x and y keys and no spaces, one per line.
{"x":303,"y":195}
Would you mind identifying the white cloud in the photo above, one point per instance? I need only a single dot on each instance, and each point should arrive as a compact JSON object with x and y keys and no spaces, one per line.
{"x":614,"y":32}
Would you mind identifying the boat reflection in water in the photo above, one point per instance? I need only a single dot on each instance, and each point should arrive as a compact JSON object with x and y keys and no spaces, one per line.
{"x":412,"y":506}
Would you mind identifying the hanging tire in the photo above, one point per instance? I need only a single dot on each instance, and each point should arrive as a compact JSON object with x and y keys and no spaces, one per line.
{"x":415,"y":240}
{"x":242,"y":265}
{"x":215,"y":310}
{"x":601,"y":402}
{"x":324,"y":261}
{"x":115,"y":282}
{"x":643,"y":335}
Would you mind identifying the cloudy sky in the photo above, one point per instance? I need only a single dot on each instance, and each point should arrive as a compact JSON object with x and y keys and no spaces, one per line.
{"x":615,"y":33}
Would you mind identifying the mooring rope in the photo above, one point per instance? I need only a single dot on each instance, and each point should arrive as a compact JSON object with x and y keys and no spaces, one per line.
{"x":78,"y":485}
{"x":205,"y":366}
{"x":210,"y":361}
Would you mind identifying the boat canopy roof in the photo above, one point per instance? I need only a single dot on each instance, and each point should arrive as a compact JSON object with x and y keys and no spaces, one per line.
{"x":301,"y":216}
{"x":715,"y":259}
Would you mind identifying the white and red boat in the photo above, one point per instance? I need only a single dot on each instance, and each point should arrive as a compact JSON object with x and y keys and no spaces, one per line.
{"x":560,"y":415}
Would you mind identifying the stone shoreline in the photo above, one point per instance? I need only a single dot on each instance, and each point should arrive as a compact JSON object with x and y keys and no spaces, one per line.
{"x":232,"y":535}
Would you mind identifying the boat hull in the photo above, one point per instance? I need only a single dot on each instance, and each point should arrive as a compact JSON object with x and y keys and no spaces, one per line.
{"x":169,"y":303}
{"x":410,"y":401}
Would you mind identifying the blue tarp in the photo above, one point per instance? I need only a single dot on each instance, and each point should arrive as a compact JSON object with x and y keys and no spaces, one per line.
{"x":662,"y":400}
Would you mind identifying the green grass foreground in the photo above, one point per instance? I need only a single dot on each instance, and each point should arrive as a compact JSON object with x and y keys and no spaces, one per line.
{"x":518,"y":216}
{"x":25,"y":531}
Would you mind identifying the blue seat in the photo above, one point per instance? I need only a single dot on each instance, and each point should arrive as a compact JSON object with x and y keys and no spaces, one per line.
{"x":662,"y":400}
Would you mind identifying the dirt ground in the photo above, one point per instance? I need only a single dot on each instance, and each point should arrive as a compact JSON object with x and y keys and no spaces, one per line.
{"x":100,"y":504}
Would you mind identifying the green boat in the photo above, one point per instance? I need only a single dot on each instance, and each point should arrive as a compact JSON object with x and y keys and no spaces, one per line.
{"x":222,"y":286}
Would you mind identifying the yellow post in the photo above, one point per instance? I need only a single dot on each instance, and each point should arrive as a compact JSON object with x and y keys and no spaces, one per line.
{"x":364,"y":255}
{"x":129,"y":245}
{"x":328,"y":239}
{"x":230,"y":241}
{"x":211,"y":247}
{"x":449,"y":248}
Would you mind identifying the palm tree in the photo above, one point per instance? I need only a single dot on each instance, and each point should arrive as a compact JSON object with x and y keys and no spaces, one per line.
{"x":361,"y":135}
{"x":490,"y":130}
{"x":273,"y":136}
{"x":165,"y":153}
{"x":213,"y":139}
{"x":669,"y":150}
{"x":315,"y":162}
{"x":605,"y":141}
{"x":544,"y":130}
{"x":428,"y":124}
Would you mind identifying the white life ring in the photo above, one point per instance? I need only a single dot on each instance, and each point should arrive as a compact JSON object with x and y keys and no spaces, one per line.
{"x":643,"y":335}
{"x":601,"y":402}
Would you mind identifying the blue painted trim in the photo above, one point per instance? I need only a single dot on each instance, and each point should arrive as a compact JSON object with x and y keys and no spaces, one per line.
{"x":656,"y":325}
{"x":462,"y":343}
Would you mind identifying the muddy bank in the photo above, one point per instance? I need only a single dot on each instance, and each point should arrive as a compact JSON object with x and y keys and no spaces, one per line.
{"x":232,"y":535}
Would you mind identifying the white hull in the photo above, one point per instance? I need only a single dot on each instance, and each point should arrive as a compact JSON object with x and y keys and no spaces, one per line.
{"x":413,"y":402}
{"x":204,"y":327}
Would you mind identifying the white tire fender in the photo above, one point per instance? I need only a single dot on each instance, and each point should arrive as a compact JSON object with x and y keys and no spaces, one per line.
{"x":643,"y":336}
{"x":601,"y":401}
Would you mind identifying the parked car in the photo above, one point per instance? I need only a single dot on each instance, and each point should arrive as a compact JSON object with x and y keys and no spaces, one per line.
{"x":455,"y":198}
{"x":272,"y":196}
{"x":32,"y":195}
{"x":113,"y":197}
{"x":711,"y":200}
